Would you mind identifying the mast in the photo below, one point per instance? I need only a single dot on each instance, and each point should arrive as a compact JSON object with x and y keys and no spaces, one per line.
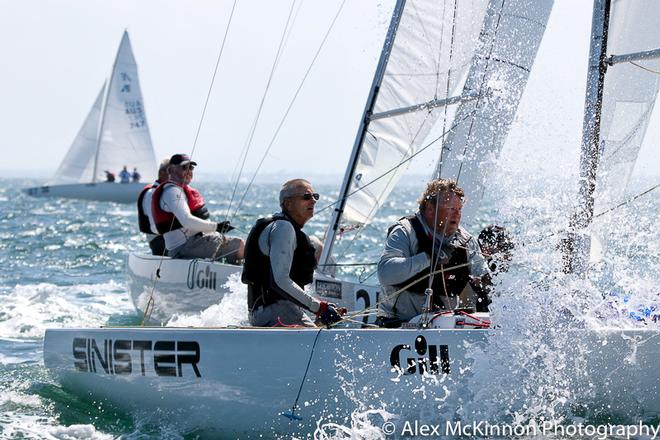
{"x":108,"y":86}
{"x":362,"y":130}
{"x":576,"y":244}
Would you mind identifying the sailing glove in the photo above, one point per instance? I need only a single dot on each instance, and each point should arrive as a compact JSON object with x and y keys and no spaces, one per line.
{"x":328,"y":313}
{"x":224,"y":227}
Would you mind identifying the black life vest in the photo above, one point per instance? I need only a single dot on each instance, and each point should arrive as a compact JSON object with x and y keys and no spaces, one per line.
{"x":143,"y":218}
{"x":455,"y":280}
{"x":166,"y":221}
{"x":257,"y":271}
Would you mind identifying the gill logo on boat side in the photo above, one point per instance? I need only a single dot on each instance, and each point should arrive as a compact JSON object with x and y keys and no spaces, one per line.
{"x":202,"y":278}
{"x":126,"y":357}
{"x":426,"y":359}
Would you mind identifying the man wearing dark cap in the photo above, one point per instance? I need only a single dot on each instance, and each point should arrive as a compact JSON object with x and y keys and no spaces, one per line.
{"x":181,"y":215}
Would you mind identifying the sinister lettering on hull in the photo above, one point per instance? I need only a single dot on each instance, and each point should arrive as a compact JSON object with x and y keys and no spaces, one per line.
{"x":426,"y":359}
{"x":125,"y":357}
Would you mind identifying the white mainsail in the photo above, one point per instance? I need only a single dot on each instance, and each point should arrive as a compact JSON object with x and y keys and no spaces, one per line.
{"x":115,"y":133}
{"x":629,"y":94}
{"x":510,"y":39}
{"x":429,"y":60}
{"x":443,"y":53}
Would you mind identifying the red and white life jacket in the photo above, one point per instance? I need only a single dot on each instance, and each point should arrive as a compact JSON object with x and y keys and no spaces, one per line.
{"x":166,"y":221}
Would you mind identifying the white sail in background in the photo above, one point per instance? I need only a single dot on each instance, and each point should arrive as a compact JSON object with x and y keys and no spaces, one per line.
{"x":122,"y":126}
{"x":125,"y":138}
{"x":78,"y":163}
{"x":512,"y":33}
{"x":629,"y":95}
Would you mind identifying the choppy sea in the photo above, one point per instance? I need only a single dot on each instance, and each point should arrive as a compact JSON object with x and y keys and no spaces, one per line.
{"x":63,"y":264}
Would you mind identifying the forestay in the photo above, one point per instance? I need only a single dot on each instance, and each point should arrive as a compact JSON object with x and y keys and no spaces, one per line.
{"x":115,"y":132}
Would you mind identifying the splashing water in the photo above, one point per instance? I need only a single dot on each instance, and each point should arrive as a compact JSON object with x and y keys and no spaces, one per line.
{"x":231,"y":311}
{"x":65,"y":267}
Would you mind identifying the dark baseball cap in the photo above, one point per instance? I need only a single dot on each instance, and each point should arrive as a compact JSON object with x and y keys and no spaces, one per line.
{"x":181,"y":159}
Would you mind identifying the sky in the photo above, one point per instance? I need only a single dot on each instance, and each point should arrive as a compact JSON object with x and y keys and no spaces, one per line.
{"x":57,"y":53}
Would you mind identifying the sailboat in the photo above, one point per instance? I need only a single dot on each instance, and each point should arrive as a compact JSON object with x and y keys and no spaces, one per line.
{"x":252,"y":382}
{"x":468,"y":76}
{"x":114,"y":134}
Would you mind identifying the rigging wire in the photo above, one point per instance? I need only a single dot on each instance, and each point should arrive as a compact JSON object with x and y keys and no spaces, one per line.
{"x":481,"y":87}
{"x":375,"y":207}
{"x":442,"y":270}
{"x":444,"y":121}
{"x":395,"y":167}
{"x":148,"y":309}
{"x":292,"y":413}
{"x":600,"y":214}
{"x":644,"y":68}
{"x":215,"y":71}
{"x":436,"y":258}
{"x":286,"y":113}
{"x":253,"y":128}
{"x":434,"y":261}
{"x":629,"y":200}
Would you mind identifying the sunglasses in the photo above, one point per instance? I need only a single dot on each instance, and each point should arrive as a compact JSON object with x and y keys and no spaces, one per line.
{"x":188,"y":166}
{"x":308,"y":196}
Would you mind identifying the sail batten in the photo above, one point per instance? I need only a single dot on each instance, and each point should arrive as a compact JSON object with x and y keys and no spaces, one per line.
{"x":636,"y":56}
{"x":424,"y":106}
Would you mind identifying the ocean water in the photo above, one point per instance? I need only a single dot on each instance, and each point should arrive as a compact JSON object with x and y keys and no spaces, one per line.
{"x":62,"y":264}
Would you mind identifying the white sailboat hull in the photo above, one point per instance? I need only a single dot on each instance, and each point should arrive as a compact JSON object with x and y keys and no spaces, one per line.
{"x":239,"y":381}
{"x":102,"y":192}
{"x":181,"y":287}
{"x":190,"y":286}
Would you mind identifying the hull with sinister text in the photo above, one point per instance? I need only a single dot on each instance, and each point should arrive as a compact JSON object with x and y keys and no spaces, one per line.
{"x":238,"y":382}
{"x":102,"y":192}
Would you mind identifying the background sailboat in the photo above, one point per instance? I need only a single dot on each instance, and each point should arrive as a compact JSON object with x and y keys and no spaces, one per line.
{"x":114,"y":134}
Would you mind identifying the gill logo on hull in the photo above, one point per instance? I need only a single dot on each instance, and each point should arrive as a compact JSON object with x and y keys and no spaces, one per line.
{"x":425,"y":359}
{"x":202,"y":278}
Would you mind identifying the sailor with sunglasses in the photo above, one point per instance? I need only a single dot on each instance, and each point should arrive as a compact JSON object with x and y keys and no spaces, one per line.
{"x":280,"y":261}
{"x":180,"y":214}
